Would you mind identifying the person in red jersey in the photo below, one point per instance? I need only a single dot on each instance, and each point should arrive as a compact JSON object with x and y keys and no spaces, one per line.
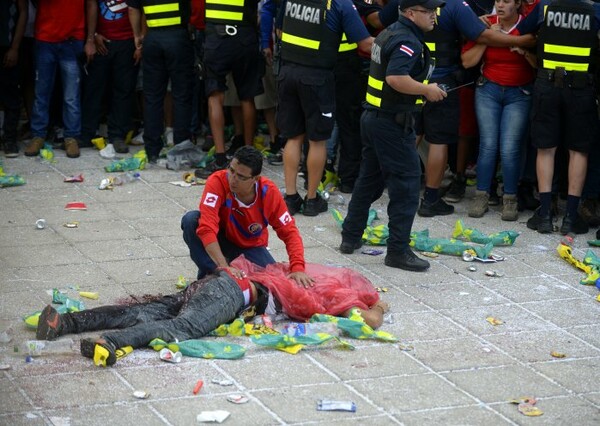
{"x":237,"y":206}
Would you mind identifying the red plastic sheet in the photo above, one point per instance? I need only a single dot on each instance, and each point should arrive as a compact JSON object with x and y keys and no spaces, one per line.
{"x":335,"y":291}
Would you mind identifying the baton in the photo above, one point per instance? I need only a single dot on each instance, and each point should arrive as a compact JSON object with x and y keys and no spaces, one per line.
{"x":446,"y":89}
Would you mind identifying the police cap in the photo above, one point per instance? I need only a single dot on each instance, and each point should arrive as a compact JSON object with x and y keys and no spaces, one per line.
{"x":427,"y":4}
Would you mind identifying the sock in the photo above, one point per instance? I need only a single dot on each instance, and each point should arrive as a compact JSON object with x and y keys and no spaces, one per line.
{"x":220,"y":158}
{"x":431,"y":195}
{"x":545,"y":203}
{"x":572,"y":205}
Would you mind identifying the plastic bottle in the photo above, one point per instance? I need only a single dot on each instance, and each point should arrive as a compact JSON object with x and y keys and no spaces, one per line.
{"x":45,"y":347}
{"x":125,"y":178}
{"x":306,"y":328}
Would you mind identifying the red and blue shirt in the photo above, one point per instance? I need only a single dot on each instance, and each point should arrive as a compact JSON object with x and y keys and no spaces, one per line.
{"x":246,"y":225}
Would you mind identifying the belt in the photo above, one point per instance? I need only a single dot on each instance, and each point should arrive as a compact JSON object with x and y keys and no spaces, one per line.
{"x":562,"y":78}
{"x":405,"y":119}
{"x":168,"y":28}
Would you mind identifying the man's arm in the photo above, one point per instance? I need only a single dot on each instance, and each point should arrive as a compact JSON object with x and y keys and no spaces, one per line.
{"x":91,"y":16}
{"x":12,"y":55}
{"x":135,"y":19}
{"x":407,"y":85}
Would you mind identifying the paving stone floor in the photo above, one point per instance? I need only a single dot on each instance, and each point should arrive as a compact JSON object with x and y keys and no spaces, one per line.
{"x":461,"y":369}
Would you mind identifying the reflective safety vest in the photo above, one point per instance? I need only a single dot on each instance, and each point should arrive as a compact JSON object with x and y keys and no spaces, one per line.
{"x":382,"y":95}
{"x":566,"y":38}
{"x":305,"y":38}
{"x":345,"y":46}
{"x":231,"y":12}
{"x":166,"y":13}
{"x":445,"y":46}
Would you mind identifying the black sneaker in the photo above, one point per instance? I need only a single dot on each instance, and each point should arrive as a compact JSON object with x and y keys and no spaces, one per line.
{"x":104,"y":354}
{"x":209,"y":170}
{"x":11,"y":150}
{"x":456,"y":192}
{"x":314,"y":206}
{"x":348,"y":248}
{"x":574,"y":225}
{"x":49,"y":324}
{"x":120,"y":146}
{"x":88,"y":348}
{"x":525,"y":198}
{"x":294,"y":203}
{"x":208,"y":143}
{"x":439,"y":208}
{"x":541,"y":224}
{"x":346,"y":188}
{"x":406,"y":260}
{"x":275,"y":159}
{"x":237,"y":141}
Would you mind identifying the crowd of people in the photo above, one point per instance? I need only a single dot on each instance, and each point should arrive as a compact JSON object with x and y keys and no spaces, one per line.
{"x":444,"y":83}
{"x":504,"y":102}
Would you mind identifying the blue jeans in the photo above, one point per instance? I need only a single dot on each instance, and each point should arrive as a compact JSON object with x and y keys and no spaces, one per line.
{"x":189,"y":223}
{"x":503,"y":117}
{"x":48,"y":58}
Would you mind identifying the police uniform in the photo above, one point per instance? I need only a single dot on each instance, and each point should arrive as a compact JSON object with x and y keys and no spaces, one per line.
{"x":564,"y":100}
{"x":311,"y":34}
{"x":311,"y":31}
{"x":350,"y":88}
{"x":390,"y":157}
{"x":439,"y":120}
{"x":231,"y":45}
{"x":168,"y":54}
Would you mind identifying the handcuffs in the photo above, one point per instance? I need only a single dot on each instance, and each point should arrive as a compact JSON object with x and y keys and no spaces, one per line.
{"x":231,"y":30}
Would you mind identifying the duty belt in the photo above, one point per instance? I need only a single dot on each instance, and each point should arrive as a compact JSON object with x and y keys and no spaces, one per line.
{"x":562,"y":78}
{"x":405,"y":119}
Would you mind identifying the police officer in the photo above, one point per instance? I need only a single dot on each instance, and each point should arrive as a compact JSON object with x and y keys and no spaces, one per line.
{"x":168,"y":53}
{"x":400,"y":62}
{"x":231,"y":46}
{"x":564,"y":101}
{"x":311,"y":31}
{"x":439,"y":122}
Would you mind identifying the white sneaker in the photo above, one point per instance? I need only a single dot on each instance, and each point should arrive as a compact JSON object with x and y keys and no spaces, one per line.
{"x":169,"y":136}
{"x":138,"y":139}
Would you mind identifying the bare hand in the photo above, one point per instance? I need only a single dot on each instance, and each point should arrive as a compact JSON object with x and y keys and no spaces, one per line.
{"x":90,"y":50}
{"x":236,"y":273}
{"x":10,"y":58}
{"x":495,"y":27}
{"x":268,"y":54}
{"x":434,"y":93}
{"x":137,"y":56}
{"x":302,"y":279}
{"x":101,"y":44}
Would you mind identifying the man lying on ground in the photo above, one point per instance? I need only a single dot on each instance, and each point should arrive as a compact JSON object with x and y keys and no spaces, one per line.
{"x":214,"y":300}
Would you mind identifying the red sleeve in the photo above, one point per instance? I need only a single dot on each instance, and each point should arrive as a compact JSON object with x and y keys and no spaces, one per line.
{"x":210,"y":204}
{"x":284,"y":225}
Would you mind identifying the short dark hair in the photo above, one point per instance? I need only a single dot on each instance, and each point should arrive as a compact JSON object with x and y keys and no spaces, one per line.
{"x":250,"y":157}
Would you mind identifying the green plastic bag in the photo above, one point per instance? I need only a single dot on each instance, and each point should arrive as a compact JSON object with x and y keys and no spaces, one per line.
{"x":137,"y":162}
{"x":71,"y":304}
{"x":355,"y":326}
{"x":283,"y":341}
{"x":420,"y":241}
{"x":502,"y":238}
{"x":202,"y":348}
{"x":372,"y":235}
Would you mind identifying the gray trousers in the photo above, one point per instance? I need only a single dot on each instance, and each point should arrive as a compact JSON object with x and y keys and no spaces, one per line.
{"x":191,"y":314}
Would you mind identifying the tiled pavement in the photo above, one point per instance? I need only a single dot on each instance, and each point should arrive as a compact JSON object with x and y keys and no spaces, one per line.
{"x":461,"y":369}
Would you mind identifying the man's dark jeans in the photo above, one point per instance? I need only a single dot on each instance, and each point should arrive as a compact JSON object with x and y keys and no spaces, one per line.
{"x":191,"y":314}
{"x":189,"y":223}
{"x":117,"y":71}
